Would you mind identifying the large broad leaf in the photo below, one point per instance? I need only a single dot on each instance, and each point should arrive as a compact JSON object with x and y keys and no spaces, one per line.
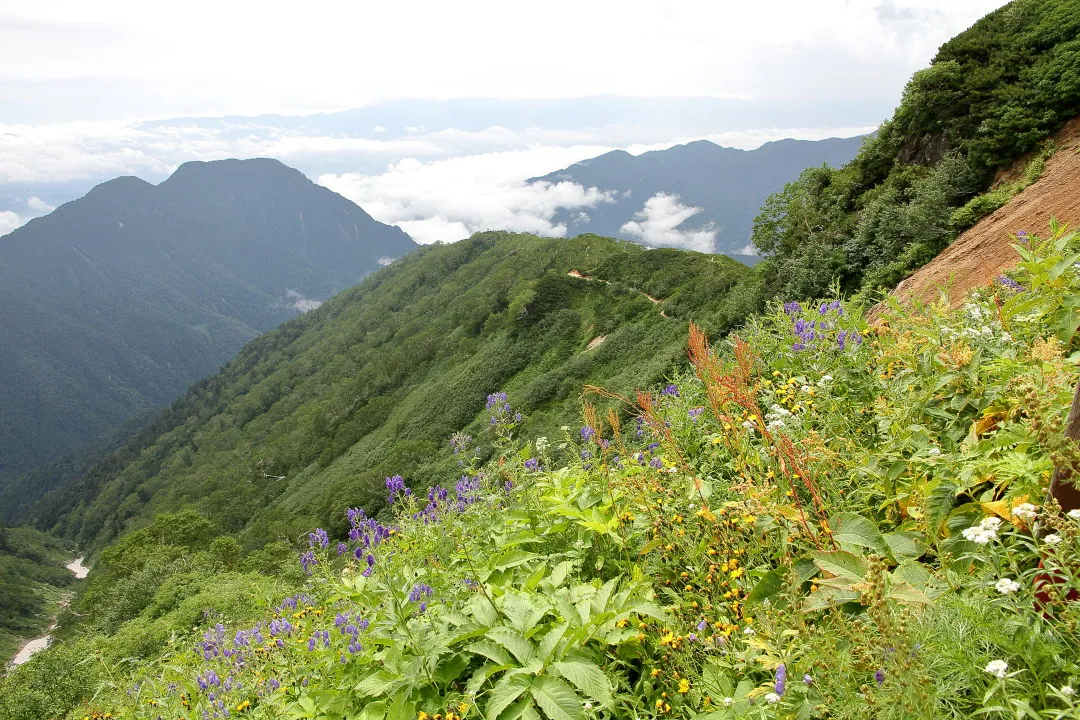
{"x":514,"y":642}
{"x":768,"y":587}
{"x":378,"y":683}
{"x":903,"y":545}
{"x":550,"y":641}
{"x":587,"y":677}
{"x":841,"y":564}
{"x":828,"y":597}
{"x":505,"y":692}
{"x":854,"y":532}
{"x":524,"y":610}
{"x":492,"y":651}
{"x":557,"y":699}
{"x":903,"y":592}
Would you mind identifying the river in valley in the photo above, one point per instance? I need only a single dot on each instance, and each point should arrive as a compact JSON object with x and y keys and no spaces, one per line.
{"x":36,"y":645}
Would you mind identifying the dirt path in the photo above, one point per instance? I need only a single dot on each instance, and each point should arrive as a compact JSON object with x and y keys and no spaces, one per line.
{"x":577,"y":274}
{"x":983,"y":252}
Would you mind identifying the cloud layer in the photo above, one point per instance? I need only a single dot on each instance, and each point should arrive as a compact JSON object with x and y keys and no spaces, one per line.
{"x":657,"y":223}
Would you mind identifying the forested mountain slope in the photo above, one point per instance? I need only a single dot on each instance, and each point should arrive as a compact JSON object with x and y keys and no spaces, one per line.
{"x":992,"y":93}
{"x":371,"y":384}
{"x":983,"y":252}
{"x":113,"y":304}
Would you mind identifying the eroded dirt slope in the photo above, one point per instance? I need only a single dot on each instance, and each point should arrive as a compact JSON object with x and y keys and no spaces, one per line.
{"x":983,"y":252}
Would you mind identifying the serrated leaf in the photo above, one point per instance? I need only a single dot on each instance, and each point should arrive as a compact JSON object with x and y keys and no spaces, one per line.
{"x":376,"y":684}
{"x":546,"y":650}
{"x":557,"y":699}
{"x":505,"y":692}
{"x":514,"y":642}
{"x":769,"y":586}
{"x":492,"y":651}
{"x":827,"y":597}
{"x":903,"y":545}
{"x":588,"y":678}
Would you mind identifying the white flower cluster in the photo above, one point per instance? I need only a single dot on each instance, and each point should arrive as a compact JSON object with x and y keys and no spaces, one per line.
{"x":998,"y":668}
{"x":541,"y":445}
{"x":1025,"y":511}
{"x":1074,"y":514}
{"x":776,"y":417}
{"x":1052,"y":539}
{"x":1006,"y":586}
{"x":981,"y":324}
{"x":825,"y":380}
{"x":984,"y":532}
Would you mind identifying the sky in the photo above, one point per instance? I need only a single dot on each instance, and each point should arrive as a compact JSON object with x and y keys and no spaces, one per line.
{"x":432,"y":115}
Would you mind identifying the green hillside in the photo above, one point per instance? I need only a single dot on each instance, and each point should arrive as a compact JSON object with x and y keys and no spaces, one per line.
{"x":992,"y":93}
{"x":817,"y":519}
{"x":32,"y":578}
{"x":318,"y":412}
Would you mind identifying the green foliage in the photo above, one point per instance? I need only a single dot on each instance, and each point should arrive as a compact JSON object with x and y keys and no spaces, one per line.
{"x":820,"y":520}
{"x":991,"y":94}
{"x":314,"y":415}
{"x":32,"y":579}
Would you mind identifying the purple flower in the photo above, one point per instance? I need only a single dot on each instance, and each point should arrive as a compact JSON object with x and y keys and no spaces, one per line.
{"x":532,"y":464}
{"x":495,"y":398}
{"x":587,"y":433}
{"x":1022,"y":236}
{"x":671,"y":390}
{"x":792,"y":308}
{"x":318,"y":538}
{"x":419,"y":591}
{"x":656,"y":463}
{"x":807,"y":680}
{"x":694,"y":413}
{"x":1011,"y":284}
{"x":342,"y":548}
{"x":781,"y":679}
{"x":396,"y":485}
{"x":702,"y":625}
{"x":307,"y":560}
{"x":880,"y":676}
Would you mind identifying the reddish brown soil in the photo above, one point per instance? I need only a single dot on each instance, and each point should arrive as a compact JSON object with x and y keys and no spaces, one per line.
{"x":983,"y":252}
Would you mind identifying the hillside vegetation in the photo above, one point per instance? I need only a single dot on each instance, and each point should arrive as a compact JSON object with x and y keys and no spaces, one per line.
{"x":32,"y":578}
{"x":817,"y":519}
{"x":318,"y":412}
{"x":992,"y":93}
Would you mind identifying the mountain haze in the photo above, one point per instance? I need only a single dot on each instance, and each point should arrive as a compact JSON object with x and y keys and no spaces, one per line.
{"x":114,"y":303}
{"x":726,"y":185}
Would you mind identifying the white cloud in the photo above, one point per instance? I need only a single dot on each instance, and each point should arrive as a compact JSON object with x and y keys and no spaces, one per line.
{"x":250,"y":60}
{"x":301,"y":303}
{"x":447,"y":200}
{"x":9,"y":221}
{"x":658,"y":221}
{"x":39,"y":206}
{"x":378,"y":129}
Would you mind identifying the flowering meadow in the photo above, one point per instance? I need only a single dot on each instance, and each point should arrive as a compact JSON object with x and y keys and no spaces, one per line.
{"x":825,"y":517}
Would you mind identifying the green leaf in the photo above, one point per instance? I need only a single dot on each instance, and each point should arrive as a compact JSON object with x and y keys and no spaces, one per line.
{"x":769,"y":586}
{"x":550,"y":641}
{"x":491,"y":651}
{"x":854,"y":531}
{"x":505,"y":692}
{"x":376,"y":684}
{"x":373,"y":711}
{"x":514,"y":642}
{"x":588,"y":678}
{"x":827,"y":597}
{"x":841,"y":564}
{"x":903,"y":545}
{"x":557,"y":699}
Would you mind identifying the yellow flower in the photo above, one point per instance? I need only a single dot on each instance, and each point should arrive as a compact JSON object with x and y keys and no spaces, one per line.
{"x":422,"y":716}
{"x":655,"y":672}
{"x":684,"y":686}
{"x":463,"y":708}
{"x":621,"y":623}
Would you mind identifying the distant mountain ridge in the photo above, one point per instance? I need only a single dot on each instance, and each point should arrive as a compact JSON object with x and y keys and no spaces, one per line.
{"x":113,"y":304}
{"x":726,"y":185}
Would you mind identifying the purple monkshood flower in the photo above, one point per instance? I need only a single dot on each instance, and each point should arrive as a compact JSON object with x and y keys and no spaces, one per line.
{"x":307,"y":560}
{"x":880,"y":676}
{"x":702,"y":625}
{"x":807,"y":679}
{"x":421,"y":590}
{"x":656,"y":463}
{"x":1022,"y":236}
{"x":495,"y":399}
{"x":694,"y":413}
{"x":792,"y":308}
{"x":781,"y":679}
{"x":671,"y":390}
{"x":1011,"y":284}
{"x":318,"y":538}
{"x":532,"y":464}
{"x":396,"y":485}
{"x":342,"y":548}
{"x":587,"y":433}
